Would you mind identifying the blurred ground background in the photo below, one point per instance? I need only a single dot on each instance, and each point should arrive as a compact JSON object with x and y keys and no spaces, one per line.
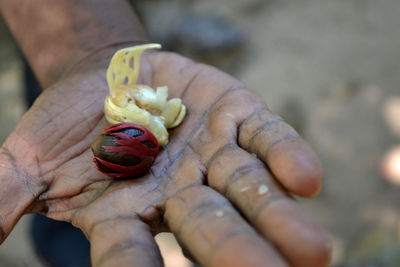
{"x":330,"y":67}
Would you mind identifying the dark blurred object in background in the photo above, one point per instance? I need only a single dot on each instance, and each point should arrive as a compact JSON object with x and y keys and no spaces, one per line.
{"x":59,"y":244}
{"x":209,"y":39}
{"x":31,"y":86}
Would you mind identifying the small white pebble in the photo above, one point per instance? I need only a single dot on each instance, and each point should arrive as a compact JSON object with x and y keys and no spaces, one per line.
{"x":263,"y":189}
{"x":244,"y":189}
{"x":219,"y":213}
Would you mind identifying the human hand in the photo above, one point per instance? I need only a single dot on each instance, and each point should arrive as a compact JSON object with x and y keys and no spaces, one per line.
{"x":222,"y":185}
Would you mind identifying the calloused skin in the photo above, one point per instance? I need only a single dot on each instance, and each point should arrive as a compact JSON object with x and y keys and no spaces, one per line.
{"x":222,"y":185}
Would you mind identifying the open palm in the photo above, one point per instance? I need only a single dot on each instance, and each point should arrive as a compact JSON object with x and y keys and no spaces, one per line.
{"x":222,"y":185}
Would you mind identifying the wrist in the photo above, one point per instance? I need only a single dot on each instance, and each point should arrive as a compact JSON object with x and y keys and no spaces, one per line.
{"x":99,"y":58}
{"x":63,"y":33}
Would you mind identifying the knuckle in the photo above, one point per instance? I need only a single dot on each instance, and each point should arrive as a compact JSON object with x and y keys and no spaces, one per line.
{"x":280,"y":136}
{"x":261,"y":208}
{"x":271,"y":135}
{"x":251,"y":123}
{"x":229,"y":165}
{"x":192,"y":205}
{"x":219,"y":152}
{"x":246,"y":171}
{"x":264,"y":130}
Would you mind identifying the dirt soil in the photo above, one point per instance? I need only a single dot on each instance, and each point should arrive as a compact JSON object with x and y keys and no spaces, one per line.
{"x":331,"y":68}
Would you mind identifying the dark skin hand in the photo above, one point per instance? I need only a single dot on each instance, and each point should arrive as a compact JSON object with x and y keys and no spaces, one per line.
{"x":222,"y":185}
{"x":201,"y":184}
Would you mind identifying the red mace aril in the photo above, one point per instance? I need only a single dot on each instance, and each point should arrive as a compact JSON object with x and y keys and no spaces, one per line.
{"x":125,"y":150}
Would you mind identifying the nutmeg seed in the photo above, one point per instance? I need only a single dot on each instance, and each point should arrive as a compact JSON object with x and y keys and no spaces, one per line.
{"x":125,"y":150}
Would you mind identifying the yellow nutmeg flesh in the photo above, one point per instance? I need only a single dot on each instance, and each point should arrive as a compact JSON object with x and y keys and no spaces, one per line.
{"x":138,"y":103}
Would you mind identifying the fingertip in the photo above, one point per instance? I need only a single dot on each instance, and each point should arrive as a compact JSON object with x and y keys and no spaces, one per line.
{"x":318,"y":252}
{"x":303,"y":241}
{"x":317,"y":249}
{"x":321,"y":252}
{"x":297,"y":167}
{"x":243,"y":250}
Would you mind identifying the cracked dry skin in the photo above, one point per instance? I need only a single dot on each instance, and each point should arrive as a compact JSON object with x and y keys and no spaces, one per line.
{"x":138,"y":103}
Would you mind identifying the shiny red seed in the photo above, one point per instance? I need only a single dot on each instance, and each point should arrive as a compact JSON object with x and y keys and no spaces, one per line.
{"x":125,"y":150}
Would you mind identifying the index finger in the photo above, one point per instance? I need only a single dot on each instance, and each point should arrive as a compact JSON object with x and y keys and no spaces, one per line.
{"x":292,"y":161}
